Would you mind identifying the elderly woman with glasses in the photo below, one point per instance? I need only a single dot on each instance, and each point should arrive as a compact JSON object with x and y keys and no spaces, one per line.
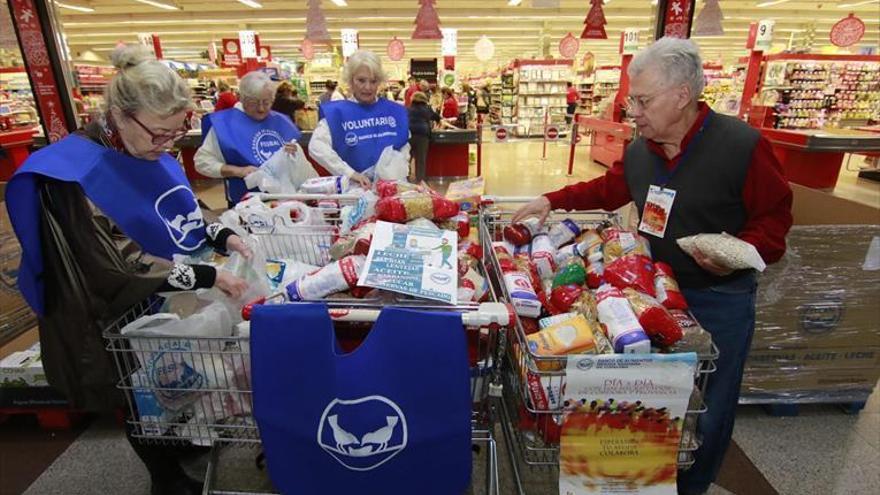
{"x":238,"y":140}
{"x":100,"y":215}
{"x":694,"y":171}
{"x":351,"y":134}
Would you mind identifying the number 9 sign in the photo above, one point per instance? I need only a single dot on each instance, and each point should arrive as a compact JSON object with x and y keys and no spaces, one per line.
{"x":764,"y":37}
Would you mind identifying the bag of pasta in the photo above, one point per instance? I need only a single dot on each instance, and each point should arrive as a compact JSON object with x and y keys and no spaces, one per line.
{"x":620,"y":242}
{"x":633,"y":270}
{"x":409,"y":206}
{"x":658,"y":323}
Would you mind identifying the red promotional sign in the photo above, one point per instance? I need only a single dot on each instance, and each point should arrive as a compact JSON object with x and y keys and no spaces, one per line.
{"x":39,"y":69}
{"x":568,"y":46}
{"x":266,"y":52}
{"x":449,"y":62}
{"x":231,"y":52}
{"x":551,"y":132}
{"x":678,"y":18}
{"x":308,"y":49}
{"x":594,"y":23}
{"x":396,"y":49}
{"x":157,"y":46}
{"x":847,"y":31}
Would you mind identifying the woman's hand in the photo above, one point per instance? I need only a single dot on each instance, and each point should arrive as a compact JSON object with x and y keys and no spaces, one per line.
{"x":236,"y":244}
{"x":538,"y":207}
{"x":361,"y":180}
{"x":231,"y":285}
{"x":291,"y":148}
{"x":245,"y":171}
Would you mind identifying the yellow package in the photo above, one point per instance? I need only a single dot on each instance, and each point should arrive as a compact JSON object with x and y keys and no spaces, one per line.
{"x":572,"y":336}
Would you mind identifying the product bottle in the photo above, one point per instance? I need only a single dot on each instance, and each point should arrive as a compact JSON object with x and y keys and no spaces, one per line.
{"x":615,"y":312}
{"x":335,"y":277}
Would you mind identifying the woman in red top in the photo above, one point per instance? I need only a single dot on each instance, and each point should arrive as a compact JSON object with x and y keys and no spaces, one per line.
{"x":226,"y":98}
{"x":450,"y":105}
{"x":571,"y":99}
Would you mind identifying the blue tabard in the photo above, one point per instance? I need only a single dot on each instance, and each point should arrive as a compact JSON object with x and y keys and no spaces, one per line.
{"x":361,"y":132}
{"x":245,"y":141}
{"x":391,"y":417}
{"x":150,"y":201}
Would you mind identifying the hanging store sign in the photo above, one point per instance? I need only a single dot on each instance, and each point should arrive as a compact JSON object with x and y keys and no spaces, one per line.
{"x":424,"y":68}
{"x":231,"y":52}
{"x":484,"y":49}
{"x":629,"y":41}
{"x":449,"y":44}
{"x":764,"y":35}
{"x":675,"y":19}
{"x":266,"y":52}
{"x":308,"y":49}
{"x":847,"y":31}
{"x":349,"y":41}
{"x":247,"y":41}
{"x":568,"y":46}
{"x":594,"y":23}
{"x":396,"y":49}
{"x":708,"y":23}
{"x":427,"y":22}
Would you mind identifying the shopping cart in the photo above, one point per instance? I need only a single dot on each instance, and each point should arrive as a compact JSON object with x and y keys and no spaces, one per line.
{"x":218,"y":412}
{"x":531,"y":434}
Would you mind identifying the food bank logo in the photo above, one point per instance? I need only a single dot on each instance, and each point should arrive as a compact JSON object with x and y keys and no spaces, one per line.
{"x":362,"y":434}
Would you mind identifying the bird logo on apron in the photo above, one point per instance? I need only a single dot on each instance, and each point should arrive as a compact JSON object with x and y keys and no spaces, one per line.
{"x":362,"y":450}
{"x":182,"y":217}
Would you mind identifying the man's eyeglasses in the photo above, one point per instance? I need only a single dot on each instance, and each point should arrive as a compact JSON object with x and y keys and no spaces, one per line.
{"x":163,"y":138}
{"x":257,"y":102}
{"x":639,"y":102}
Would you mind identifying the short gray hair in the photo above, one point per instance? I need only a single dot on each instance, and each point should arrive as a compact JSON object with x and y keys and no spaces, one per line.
{"x":678,"y":60}
{"x":253,"y":83}
{"x":143,"y":83}
{"x":363,"y":58}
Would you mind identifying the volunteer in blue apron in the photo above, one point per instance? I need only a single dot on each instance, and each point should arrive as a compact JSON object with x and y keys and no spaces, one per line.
{"x":351,"y":134}
{"x":238,"y":140}
{"x":99,"y":215}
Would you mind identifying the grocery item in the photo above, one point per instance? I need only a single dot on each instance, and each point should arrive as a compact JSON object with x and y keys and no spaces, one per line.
{"x":388,"y":188}
{"x":527,"y":266}
{"x":475,"y":282}
{"x":405,"y":207}
{"x":563,"y":297}
{"x":521,"y":233}
{"x":620,"y":242}
{"x":336,"y":277}
{"x":724,"y":250}
{"x":595,"y":272}
{"x":544,"y":256}
{"x":461,"y":223}
{"x":552,"y":320}
{"x":573,"y":272}
{"x":337,"y":184}
{"x":522,"y":294}
{"x":655,"y":319}
{"x":571,"y":336}
{"x":615,"y":312}
{"x":563,"y":232}
{"x":632,"y":270}
{"x":467,"y":193}
{"x":668,"y":292}
{"x":694,"y":338}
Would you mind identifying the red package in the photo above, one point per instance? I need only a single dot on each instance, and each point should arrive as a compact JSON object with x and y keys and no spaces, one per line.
{"x":470,"y":248}
{"x":658,"y":323}
{"x":461,"y":223}
{"x":400,"y":209}
{"x":561,"y":299}
{"x":632,"y":270}
{"x":530,"y":325}
{"x":668,"y":292}
{"x":527,"y":266}
{"x":504,"y":258}
{"x":595,"y":273}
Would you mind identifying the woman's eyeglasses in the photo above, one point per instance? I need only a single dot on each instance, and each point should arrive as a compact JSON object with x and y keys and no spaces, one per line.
{"x":163,"y":138}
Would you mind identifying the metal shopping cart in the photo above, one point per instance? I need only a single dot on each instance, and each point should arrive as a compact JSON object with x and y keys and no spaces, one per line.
{"x":531,"y":434}
{"x":217,"y":412}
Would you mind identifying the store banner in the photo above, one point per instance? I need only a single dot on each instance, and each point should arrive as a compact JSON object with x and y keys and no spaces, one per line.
{"x":449,"y":62}
{"x":247,"y":41}
{"x":449,"y":45}
{"x":568,"y":46}
{"x":212,"y":52}
{"x":349,"y":41}
{"x":427,"y":22}
{"x":231,"y":52}
{"x":847,"y":31}
{"x":764,"y":35}
{"x":424,"y":68}
{"x":674,"y":18}
{"x":157,"y":46}
{"x":43,"y":77}
{"x":629,"y":41}
{"x":484,"y":49}
{"x":623,"y":419}
{"x":266,"y":53}
{"x":396,"y":49}
{"x":415,"y":261}
{"x":708,"y":23}
{"x":594,"y":23}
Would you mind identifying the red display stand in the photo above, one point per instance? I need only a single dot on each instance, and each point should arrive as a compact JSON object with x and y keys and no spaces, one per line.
{"x":16,"y":148}
{"x":608,"y":140}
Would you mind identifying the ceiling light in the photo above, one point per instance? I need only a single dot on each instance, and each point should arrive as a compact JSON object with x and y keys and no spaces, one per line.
{"x":514,"y":3}
{"x":848,"y":5}
{"x":340,"y":3}
{"x":251,"y":4}
{"x":158,"y":4}
{"x":78,"y":8}
{"x":773,"y":2}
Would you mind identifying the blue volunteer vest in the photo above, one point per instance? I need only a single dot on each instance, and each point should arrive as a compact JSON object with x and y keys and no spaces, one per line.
{"x":361,"y":132}
{"x":151,"y":201}
{"x":245,"y":141}
{"x":391,"y":417}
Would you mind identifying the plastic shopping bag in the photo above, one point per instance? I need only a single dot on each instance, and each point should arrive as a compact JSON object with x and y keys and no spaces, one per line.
{"x":392,"y":165}
{"x":289,"y":171}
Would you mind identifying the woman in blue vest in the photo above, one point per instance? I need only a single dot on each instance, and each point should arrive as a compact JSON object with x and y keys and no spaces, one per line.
{"x":99,"y":215}
{"x":238,"y":140}
{"x":351,"y":134}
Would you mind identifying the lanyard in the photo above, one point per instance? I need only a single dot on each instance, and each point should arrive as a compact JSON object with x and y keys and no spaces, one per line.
{"x":663,"y":175}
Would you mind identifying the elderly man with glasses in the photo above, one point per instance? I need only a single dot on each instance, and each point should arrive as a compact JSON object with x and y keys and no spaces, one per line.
{"x":709,"y":173}
{"x":238,"y":140}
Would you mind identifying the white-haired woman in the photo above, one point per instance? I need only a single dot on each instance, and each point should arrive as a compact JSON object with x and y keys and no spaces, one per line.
{"x":238,"y":140}
{"x":99,"y":216}
{"x":352,"y":134}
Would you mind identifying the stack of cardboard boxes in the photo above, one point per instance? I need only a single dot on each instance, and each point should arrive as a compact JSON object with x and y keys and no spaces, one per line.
{"x":817,"y":334}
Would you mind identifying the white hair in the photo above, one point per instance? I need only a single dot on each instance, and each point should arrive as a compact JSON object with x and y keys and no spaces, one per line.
{"x":363,"y":58}
{"x":254,"y":83}
{"x":143,"y":83}
{"x":677,"y":61}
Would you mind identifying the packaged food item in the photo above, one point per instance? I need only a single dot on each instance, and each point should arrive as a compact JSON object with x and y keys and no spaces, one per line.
{"x":325,"y":185}
{"x":694,"y":337}
{"x":615,"y":312}
{"x":530,"y":325}
{"x":527,"y":266}
{"x":460,"y":223}
{"x":504,"y":256}
{"x":552,"y":320}
{"x":668,"y":292}
{"x":562,"y":298}
{"x":572,"y":273}
{"x":632,"y":270}
{"x":591,"y":243}
{"x":563,"y":232}
{"x":405,"y":207}
{"x":336,"y":277}
{"x":586,"y":306}
{"x":544,"y":256}
{"x":595,"y":272}
{"x":467,"y":193}
{"x":388,"y":188}
{"x":474,"y":281}
{"x":522,"y":294}
{"x":571,"y":336}
{"x":724,"y":250}
{"x":619,"y":242}
{"x":521,"y":233}
{"x":660,"y":326}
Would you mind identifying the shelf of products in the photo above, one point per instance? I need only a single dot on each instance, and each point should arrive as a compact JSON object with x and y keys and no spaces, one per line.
{"x":495,"y":103}
{"x":541,"y":94}
{"x":17,"y":108}
{"x":585,"y":91}
{"x":508,"y":99}
{"x":822,"y":94}
{"x":607,"y":82}
{"x":92,"y":78}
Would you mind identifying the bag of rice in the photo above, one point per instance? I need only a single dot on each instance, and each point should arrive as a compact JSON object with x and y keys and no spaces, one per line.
{"x":725,"y":250}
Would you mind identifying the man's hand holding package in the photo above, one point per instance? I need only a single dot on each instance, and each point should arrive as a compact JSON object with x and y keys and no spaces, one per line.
{"x":711,"y":266}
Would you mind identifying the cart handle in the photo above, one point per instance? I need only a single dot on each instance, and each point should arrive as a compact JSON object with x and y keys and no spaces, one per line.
{"x":491,"y":200}
{"x":305,"y":197}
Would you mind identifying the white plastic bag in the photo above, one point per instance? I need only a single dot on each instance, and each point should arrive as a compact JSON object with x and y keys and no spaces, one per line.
{"x":282,"y":173}
{"x":364,"y":208}
{"x":724,"y":250}
{"x":392,"y":165}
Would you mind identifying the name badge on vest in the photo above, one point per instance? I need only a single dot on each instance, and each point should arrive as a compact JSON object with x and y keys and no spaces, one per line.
{"x":658,"y":207}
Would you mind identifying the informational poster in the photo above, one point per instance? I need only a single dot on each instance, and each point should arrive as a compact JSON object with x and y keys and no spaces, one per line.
{"x":417,"y":261}
{"x":247,"y":40}
{"x":623,"y":421}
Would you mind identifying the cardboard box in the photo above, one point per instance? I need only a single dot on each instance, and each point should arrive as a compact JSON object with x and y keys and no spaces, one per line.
{"x":758,"y":381}
{"x":814,"y":207}
{"x":815,"y":359}
{"x":23,"y":369}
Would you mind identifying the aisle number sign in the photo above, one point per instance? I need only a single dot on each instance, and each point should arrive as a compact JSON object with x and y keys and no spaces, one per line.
{"x":247,"y":40}
{"x":349,"y":42}
{"x":449,"y":45}
{"x":761,"y":35}
{"x":502,"y":133}
{"x":629,"y":41}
